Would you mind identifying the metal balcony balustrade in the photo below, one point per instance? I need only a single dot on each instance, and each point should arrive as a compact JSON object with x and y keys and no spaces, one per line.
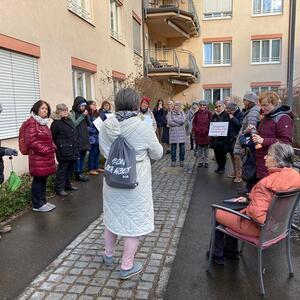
{"x":79,"y":10}
{"x":175,"y":13}
{"x":172,"y":63}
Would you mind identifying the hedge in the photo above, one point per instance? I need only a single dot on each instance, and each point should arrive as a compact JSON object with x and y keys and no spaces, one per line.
{"x":12,"y":203}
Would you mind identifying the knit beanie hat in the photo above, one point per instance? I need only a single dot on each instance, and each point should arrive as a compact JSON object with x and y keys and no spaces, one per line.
{"x":203,"y":102}
{"x":146,"y":99}
{"x":251,"y":97}
{"x":231,"y":106}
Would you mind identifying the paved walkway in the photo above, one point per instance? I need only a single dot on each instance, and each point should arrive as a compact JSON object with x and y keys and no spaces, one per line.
{"x":78,"y":272}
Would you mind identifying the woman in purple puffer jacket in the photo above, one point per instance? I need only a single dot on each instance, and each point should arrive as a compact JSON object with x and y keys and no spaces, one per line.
{"x":276,"y":126}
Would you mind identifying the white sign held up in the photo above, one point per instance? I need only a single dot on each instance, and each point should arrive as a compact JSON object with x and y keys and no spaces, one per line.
{"x":218,"y":129}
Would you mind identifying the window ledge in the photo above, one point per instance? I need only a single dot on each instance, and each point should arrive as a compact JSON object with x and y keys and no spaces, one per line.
{"x":81,"y":17}
{"x":266,"y":63}
{"x":117,"y":40}
{"x":216,"y":65}
{"x":217,"y":18}
{"x":266,"y":15}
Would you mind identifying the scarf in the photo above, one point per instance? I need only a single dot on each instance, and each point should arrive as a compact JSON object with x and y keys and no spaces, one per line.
{"x":125,"y":114}
{"x":143,"y":111}
{"x":40,"y":120}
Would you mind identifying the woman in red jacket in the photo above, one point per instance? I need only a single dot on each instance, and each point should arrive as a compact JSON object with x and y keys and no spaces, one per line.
{"x":38,"y":138}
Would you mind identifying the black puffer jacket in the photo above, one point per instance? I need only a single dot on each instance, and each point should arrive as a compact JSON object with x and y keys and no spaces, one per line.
{"x":81,"y":124}
{"x":65,"y":137}
{"x":219,"y":141}
{"x":2,"y":149}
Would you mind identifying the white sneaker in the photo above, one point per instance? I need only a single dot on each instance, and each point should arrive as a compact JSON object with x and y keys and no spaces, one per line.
{"x":44,"y":208}
{"x":50,"y":205}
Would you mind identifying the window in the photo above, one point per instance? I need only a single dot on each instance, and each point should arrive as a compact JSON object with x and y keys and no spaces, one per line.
{"x":117,"y":85}
{"x":213,"y":95}
{"x":217,"y":9}
{"x":259,"y":89}
{"x":81,"y":8}
{"x":115,"y":20}
{"x":217,"y":53}
{"x":19,"y":90}
{"x":266,"y":51}
{"x":267,"y":7}
{"x":83,"y":84}
{"x":136,"y":37}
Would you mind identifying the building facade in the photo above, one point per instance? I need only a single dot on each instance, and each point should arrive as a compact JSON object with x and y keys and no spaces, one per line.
{"x":56,"y":50}
{"x":219,"y":48}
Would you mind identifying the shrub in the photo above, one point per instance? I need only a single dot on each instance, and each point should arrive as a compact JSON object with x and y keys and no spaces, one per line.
{"x":12,"y":203}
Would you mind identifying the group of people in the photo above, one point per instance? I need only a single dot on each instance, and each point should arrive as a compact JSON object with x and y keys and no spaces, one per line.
{"x":129,"y":212}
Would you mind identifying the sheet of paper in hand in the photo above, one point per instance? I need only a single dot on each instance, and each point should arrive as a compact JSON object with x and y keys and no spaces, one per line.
{"x":148,"y":120}
{"x":218,"y":128}
{"x":98,"y":122}
{"x":109,"y":115}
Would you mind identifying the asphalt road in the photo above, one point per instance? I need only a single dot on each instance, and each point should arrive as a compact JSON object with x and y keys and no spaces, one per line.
{"x":237,"y":279}
{"x":38,"y":238}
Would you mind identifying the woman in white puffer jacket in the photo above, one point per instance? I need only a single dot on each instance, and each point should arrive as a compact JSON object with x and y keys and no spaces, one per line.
{"x":129,"y":212}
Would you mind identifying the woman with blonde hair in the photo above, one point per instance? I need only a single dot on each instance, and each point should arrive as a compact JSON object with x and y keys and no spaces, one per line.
{"x":275,"y":126}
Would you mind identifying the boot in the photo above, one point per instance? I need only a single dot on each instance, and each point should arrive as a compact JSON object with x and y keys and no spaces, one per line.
{"x":238,"y":168}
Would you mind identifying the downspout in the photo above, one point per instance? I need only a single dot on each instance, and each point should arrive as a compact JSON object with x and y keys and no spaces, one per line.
{"x":143,"y":33}
{"x":291,"y":51}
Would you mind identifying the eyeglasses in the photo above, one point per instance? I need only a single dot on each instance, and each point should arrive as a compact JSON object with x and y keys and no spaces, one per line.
{"x":202,"y":104}
{"x":217,"y":106}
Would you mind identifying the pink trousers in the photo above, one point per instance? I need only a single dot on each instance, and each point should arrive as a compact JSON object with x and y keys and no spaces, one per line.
{"x":130,"y":247}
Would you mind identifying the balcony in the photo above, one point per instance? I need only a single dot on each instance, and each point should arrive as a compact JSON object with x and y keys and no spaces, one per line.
{"x":177,"y":66}
{"x":172,"y":18}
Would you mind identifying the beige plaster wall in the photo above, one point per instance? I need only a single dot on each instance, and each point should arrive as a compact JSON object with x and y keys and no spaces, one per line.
{"x":240,"y":27}
{"x":61,"y":34}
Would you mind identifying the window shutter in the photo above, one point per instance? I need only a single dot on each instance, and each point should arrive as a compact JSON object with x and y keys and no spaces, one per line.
{"x":217,"y":6}
{"x":19,"y":90}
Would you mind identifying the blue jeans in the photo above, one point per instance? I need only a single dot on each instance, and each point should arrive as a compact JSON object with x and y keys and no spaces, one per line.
{"x":181,"y":151}
{"x":93,"y":162}
{"x":79,"y":165}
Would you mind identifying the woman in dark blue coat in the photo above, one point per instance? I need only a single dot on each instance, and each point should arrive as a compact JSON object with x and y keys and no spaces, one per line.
{"x":94,"y":154}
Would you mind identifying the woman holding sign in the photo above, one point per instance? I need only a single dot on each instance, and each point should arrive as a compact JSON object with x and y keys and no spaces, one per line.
{"x":218,"y":140}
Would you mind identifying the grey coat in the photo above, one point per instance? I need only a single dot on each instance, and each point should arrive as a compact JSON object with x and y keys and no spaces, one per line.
{"x":251,"y":117}
{"x":175,"y":121}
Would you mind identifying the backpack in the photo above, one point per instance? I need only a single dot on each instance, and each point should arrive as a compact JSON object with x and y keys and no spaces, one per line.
{"x":120,"y":166}
{"x":22,"y":144}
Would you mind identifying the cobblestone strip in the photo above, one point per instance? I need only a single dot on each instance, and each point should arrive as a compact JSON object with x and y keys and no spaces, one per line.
{"x":78,"y":272}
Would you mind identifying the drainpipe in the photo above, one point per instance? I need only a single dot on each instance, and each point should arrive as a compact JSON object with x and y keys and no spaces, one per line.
{"x":291,"y":51}
{"x":143,"y":33}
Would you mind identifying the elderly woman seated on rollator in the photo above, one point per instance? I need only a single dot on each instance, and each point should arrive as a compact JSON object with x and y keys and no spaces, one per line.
{"x":282,"y":177}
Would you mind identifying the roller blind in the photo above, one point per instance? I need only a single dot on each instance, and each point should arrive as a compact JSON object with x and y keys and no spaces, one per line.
{"x":217,"y":6}
{"x":19,"y":90}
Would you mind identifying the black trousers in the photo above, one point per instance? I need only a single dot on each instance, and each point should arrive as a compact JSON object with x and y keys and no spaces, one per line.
{"x":224,"y":241}
{"x":63,"y":174}
{"x":38,"y":191}
{"x":220,"y":155}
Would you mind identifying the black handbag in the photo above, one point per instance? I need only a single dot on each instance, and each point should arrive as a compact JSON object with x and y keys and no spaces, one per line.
{"x":249,"y":166}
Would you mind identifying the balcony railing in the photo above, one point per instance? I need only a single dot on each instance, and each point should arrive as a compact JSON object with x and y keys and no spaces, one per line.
{"x":186,"y":8}
{"x":176,"y":63}
{"x":79,"y":10}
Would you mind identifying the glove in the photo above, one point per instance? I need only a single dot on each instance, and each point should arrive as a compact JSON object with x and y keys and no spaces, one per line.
{"x":11,"y":152}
